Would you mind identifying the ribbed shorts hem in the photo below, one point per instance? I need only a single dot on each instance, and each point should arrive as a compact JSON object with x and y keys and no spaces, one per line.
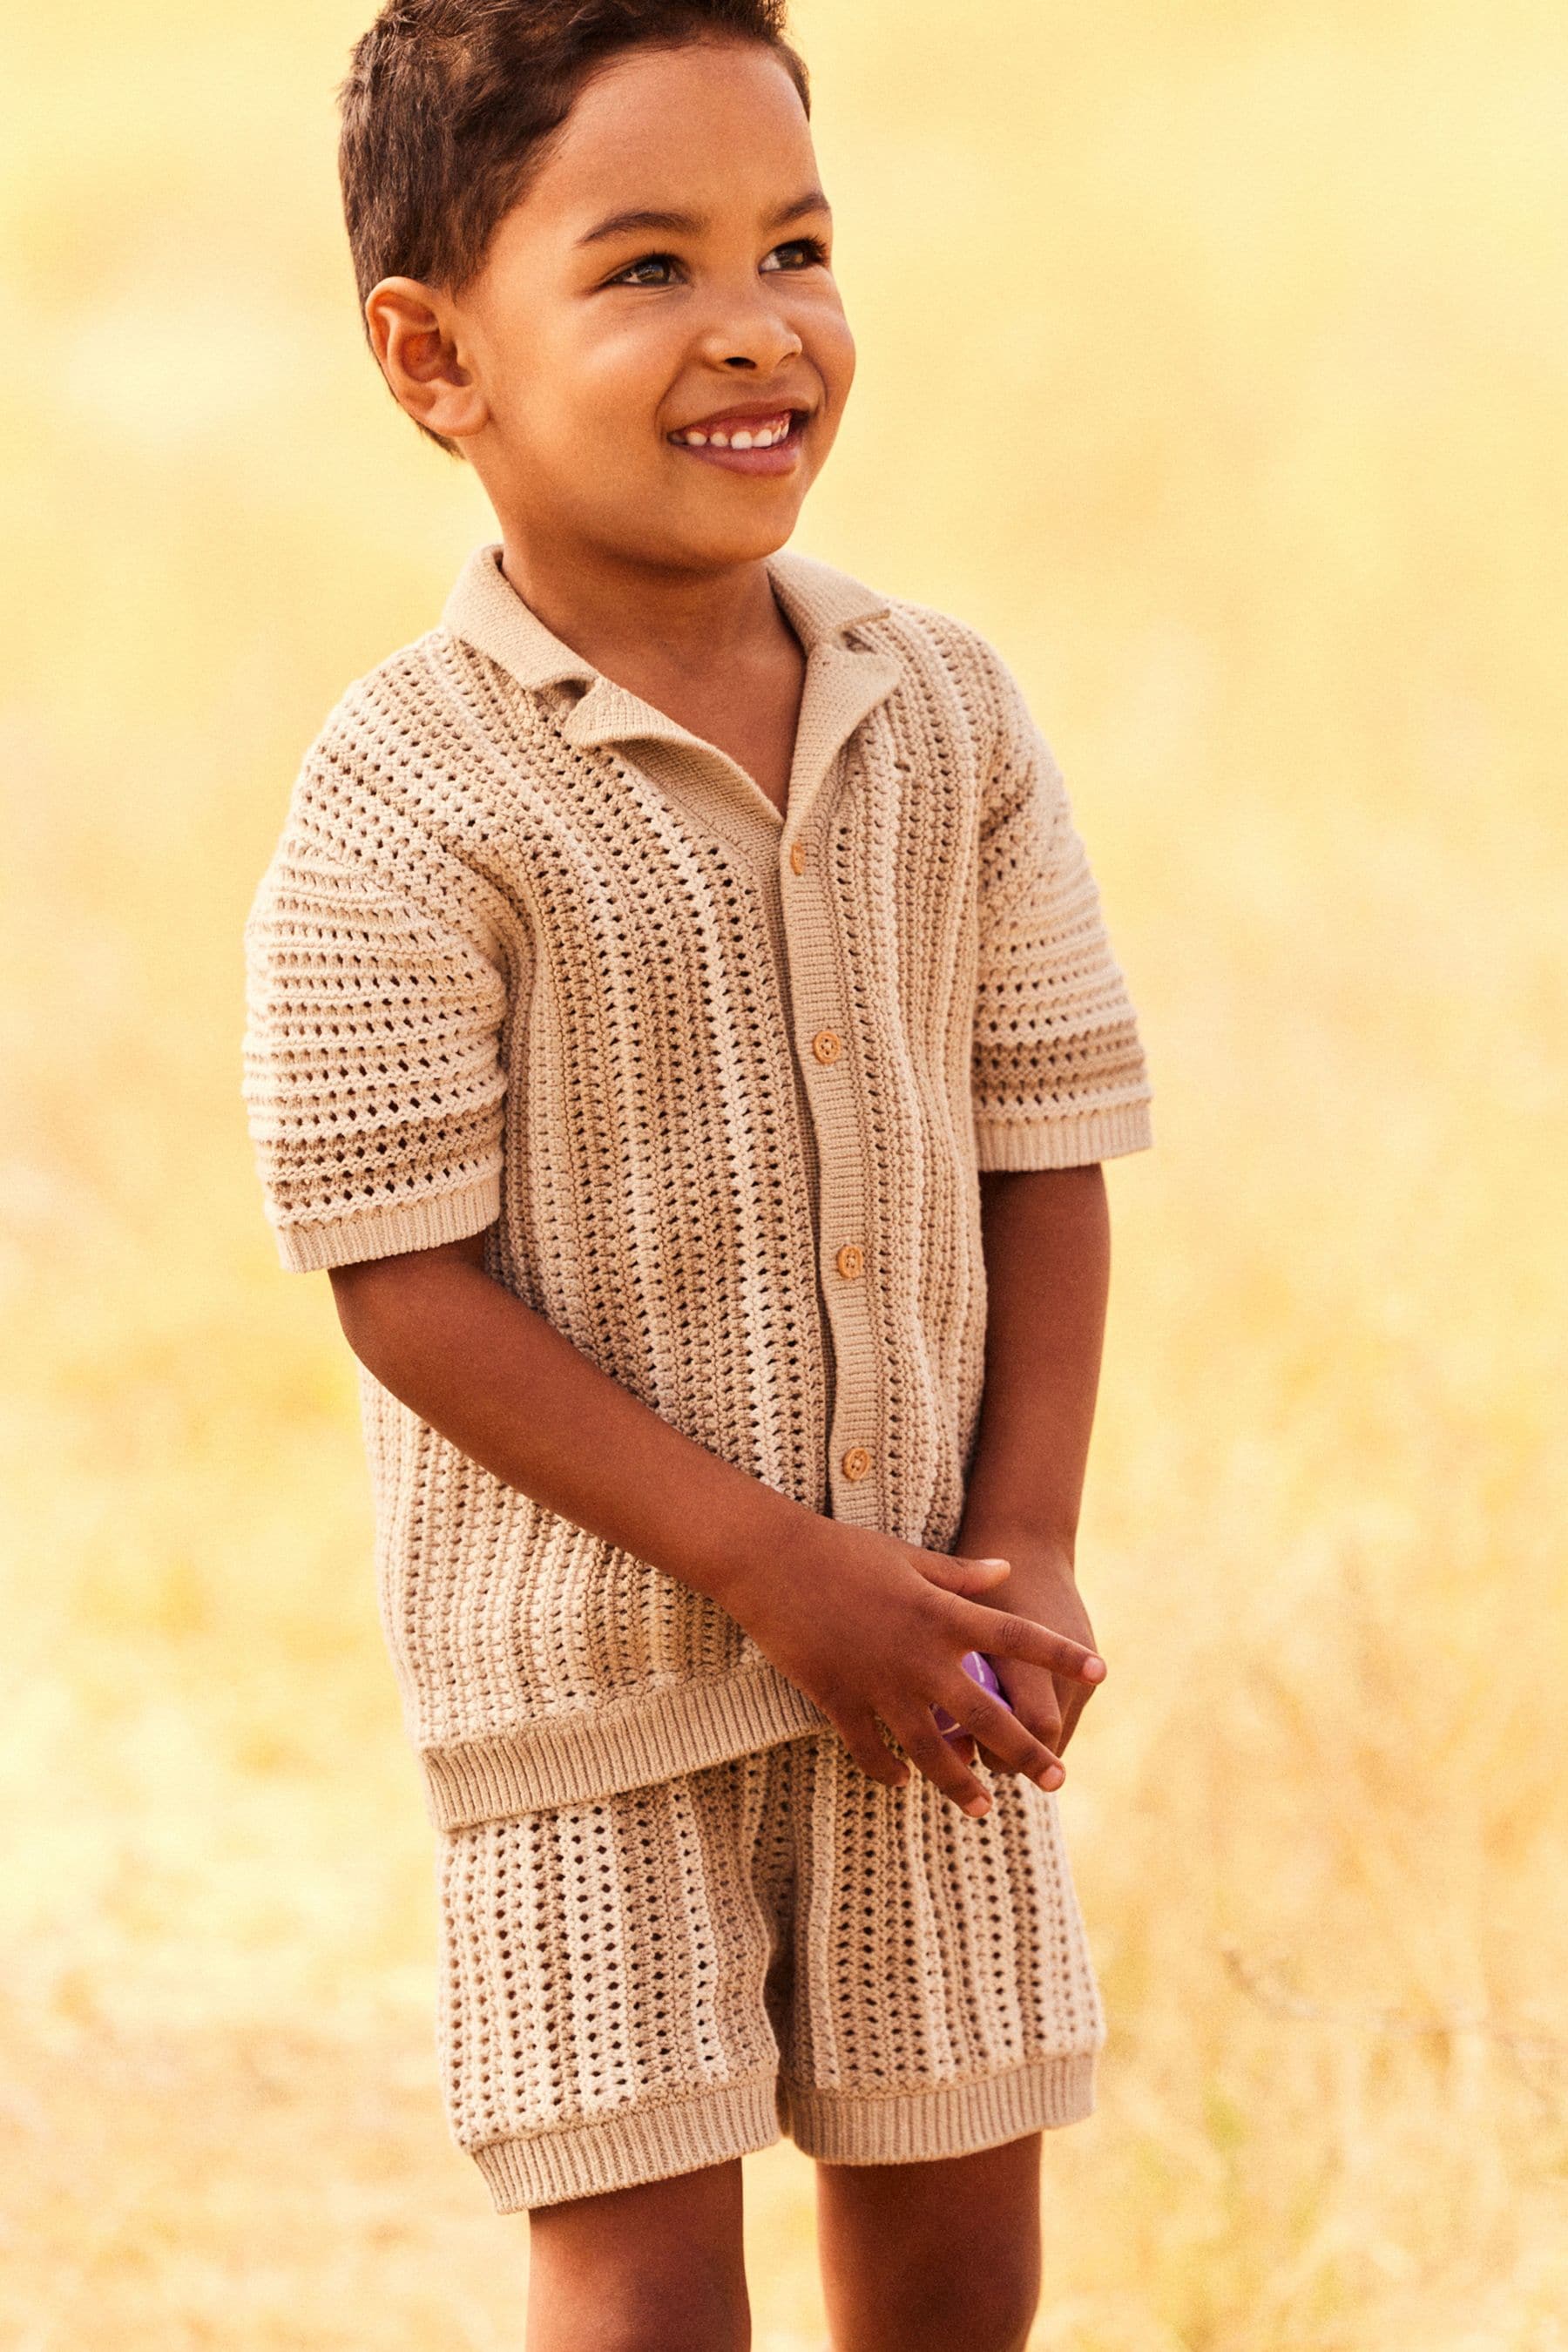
{"x":619,"y":2151}
{"x":947,"y":2119}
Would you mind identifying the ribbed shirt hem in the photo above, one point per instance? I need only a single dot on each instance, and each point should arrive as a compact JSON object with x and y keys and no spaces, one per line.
{"x":596,"y":1752}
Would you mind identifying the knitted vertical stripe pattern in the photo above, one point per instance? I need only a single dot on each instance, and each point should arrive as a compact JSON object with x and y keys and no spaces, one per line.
{"x":531,"y":958}
{"x":660,"y":1980}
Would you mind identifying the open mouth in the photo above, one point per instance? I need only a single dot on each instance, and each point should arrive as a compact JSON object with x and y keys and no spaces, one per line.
{"x":765,"y":444}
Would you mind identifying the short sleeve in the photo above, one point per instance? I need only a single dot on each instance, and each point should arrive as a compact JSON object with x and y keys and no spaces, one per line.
{"x":374,"y":1078}
{"x":1059,"y":1076}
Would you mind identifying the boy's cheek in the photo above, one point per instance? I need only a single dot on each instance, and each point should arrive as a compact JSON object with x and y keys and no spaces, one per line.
{"x":839,"y":349}
{"x":830,"y":347}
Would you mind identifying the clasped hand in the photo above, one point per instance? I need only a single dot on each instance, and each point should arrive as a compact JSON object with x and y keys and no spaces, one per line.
{"x":873,"y":1629}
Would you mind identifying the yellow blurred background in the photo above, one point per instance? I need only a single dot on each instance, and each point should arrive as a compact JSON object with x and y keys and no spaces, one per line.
{"x":1212,"y":360}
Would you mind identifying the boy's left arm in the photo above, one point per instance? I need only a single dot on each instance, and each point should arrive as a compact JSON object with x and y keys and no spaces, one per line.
{"x":1046,"y":1236}
{"x":1059,"y":1085}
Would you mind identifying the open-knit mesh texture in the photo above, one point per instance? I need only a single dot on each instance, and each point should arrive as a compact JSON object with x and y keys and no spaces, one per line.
{"x":530,"y":959}
{"x":661,"y":1979}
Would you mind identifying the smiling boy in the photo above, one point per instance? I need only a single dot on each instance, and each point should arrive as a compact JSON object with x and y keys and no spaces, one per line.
{"x":681,"y":1023}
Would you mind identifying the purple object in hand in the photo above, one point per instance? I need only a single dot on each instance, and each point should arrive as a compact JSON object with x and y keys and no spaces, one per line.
{"x":979,"y":1669}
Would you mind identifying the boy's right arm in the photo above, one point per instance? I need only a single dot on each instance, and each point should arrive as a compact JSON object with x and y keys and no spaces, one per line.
{"x":871,"y":1628}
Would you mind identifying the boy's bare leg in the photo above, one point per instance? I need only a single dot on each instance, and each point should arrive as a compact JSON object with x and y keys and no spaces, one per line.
{"x":929,"y":2257}
{"x":657,"y":2268}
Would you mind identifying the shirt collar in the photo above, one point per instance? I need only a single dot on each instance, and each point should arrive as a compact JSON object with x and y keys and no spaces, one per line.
{"x":486,"y":611}
{"x":844,"y":683}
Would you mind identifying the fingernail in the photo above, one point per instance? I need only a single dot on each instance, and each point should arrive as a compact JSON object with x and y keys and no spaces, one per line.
{"x":978,"y":1806}
{"x":1052,"y":1777}
{"x":1093,"y":1668}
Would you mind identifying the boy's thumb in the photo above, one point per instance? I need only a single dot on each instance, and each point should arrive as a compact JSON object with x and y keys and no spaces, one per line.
{"x":966,"y":1576}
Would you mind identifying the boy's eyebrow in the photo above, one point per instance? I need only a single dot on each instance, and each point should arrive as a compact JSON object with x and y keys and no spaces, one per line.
{"x":813,"y":201}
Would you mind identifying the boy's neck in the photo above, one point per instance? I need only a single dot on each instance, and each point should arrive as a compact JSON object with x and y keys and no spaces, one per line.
{"x":631,"y":619}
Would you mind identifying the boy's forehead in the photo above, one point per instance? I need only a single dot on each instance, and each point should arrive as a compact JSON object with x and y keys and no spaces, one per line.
{"x":709,"y":131}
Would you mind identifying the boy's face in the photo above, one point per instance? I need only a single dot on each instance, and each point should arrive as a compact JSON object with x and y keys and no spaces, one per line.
{"x":581,"y":348}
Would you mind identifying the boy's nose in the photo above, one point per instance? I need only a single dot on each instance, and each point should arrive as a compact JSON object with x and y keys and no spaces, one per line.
{"x":749,"y":333}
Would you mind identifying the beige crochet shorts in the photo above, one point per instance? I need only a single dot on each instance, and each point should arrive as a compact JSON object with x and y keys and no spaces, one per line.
{"x":670,"y":1977}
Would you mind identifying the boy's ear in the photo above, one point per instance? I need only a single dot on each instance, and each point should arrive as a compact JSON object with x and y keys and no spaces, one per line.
{"x":412,"y":335}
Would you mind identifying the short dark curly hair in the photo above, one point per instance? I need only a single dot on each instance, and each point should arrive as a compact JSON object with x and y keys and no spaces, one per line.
{"x":448,"y":104}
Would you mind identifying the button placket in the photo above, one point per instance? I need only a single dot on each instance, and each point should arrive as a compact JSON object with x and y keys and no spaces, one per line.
{"x":826,"y":1067}
{"x":828,"y":1063}
{"x":848,"y":686}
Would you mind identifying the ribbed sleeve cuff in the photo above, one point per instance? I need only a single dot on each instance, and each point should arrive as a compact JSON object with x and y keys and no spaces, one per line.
{"x":1064,"y":1143}
{"x":307,"y":1248}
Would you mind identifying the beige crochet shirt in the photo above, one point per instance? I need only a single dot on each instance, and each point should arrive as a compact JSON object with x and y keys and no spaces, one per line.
{"x":532,"y":958}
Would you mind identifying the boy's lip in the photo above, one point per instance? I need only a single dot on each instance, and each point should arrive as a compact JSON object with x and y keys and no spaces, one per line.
{"x":755,"y":412}
{"x":778,"y":457}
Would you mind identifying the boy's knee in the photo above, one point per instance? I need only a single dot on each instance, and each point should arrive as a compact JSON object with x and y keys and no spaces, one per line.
{"x":937,"y":2306}
{"x":653,"y":2269}
{"x":683,"y":2320}
{"x":992,"y":2310}
{"x":630,"y":2313}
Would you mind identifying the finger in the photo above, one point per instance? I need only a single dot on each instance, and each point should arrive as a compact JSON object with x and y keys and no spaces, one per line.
{"x":933,"y":1756}
{"x":955,"y":1574}
{"x":960,"y":1742}
{"x":1074,"y":1696}
{"x":1044,"y":1718}
{"x":1037,"y":1646}
{"x":1036,"y":1700}
{"x":1048,"y":1732}
{"x":861,"y":1733}
{"x":1005,"y":1735}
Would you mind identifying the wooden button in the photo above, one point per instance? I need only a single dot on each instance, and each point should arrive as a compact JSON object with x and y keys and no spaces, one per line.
{"x":797,"y":857}
{"x":849,"y":1260}
{"x":826,"y":1046}
{"x":856,"y":1462}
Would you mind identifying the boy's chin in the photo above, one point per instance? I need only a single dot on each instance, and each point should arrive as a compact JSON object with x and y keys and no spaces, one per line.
{"x":720,"y":540}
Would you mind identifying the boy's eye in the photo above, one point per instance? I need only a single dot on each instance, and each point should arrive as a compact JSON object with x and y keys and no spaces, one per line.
{"x":812,"y":246}
{"x":814,"y":251}
{"x":646,"y":261}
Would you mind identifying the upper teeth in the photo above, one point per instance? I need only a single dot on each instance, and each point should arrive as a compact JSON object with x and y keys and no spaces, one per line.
{"x":759,"y":437}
